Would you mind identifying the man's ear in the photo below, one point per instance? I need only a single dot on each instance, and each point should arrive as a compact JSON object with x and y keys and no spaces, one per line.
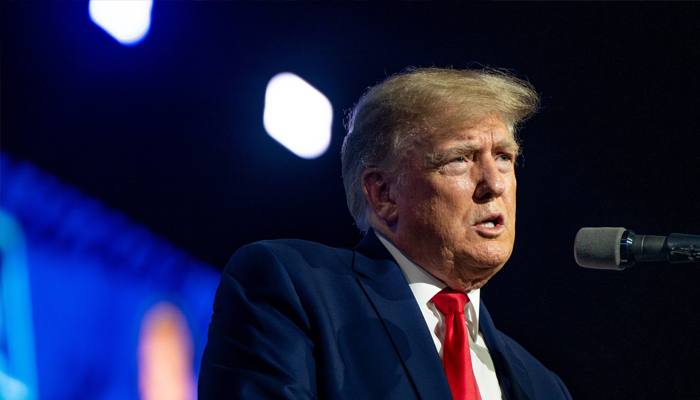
{"x":380,"y":195}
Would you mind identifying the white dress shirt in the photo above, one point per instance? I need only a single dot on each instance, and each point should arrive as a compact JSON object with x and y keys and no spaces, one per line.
{"x":424,"y":286}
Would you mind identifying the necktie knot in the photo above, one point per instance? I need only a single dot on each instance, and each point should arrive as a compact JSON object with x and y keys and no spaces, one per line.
{"x":449,"y":301}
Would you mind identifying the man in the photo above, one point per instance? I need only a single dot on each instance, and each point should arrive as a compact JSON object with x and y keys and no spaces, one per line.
{"x":428,"y":168}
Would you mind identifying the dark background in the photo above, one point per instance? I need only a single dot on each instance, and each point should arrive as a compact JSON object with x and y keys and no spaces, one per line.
{"x":170,"y":132}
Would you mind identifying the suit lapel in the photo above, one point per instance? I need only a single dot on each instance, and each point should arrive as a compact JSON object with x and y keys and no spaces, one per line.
{"x":511,"y":371}
{"x":387,"y":290}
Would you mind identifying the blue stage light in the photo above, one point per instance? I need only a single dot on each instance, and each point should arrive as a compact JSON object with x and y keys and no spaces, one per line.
{"x":92,"y":305}
{"x":126,"y":21}
{"x":297,"y":115}
{"x":18,"y":380}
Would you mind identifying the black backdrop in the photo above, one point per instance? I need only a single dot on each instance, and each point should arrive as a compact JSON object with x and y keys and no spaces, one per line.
{"x":170,"y":132}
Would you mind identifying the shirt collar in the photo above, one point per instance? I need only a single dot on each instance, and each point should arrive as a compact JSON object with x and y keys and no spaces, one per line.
{"x":424,"y":285}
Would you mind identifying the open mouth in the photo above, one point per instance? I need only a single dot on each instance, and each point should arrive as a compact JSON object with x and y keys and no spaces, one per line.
{"x":491,"y":221}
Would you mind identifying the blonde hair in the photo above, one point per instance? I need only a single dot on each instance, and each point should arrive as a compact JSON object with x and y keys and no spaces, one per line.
{"x":391,"y":116}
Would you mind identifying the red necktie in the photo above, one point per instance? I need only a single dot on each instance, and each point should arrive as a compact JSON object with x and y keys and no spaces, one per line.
{"x":455,"y":349}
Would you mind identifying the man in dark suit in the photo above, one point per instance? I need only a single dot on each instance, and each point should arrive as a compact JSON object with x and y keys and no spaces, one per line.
{"x":428,"y":167}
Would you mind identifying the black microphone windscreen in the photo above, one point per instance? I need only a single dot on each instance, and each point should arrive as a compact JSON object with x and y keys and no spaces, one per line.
{"x":598,"y":248}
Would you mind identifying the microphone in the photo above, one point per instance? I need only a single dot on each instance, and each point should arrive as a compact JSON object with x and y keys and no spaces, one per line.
{"x":618,"y":248}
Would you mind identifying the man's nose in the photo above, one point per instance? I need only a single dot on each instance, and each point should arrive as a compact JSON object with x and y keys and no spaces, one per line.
{"x":490,"y":181}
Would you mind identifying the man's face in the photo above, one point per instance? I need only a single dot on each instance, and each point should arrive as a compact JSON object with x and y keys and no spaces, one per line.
{"x":456,"y":207}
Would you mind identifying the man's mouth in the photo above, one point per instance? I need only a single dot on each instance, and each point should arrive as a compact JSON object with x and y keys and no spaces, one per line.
{"x":489,"y":223}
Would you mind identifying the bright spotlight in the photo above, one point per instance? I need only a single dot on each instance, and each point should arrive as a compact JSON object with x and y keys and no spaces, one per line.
{"x":297,"y":115}
{"x":127,"y":21}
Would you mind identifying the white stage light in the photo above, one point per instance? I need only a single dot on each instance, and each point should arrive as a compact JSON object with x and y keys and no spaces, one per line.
{"x":127,"y":21}
{"x":297,"y":115}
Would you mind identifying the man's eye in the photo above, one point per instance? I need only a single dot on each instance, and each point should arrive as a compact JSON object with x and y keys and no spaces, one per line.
{"x":504,"y":157}
{"x":459,"y":159}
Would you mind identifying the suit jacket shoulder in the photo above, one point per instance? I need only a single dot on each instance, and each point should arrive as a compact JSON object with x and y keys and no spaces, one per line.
{"x":299,"y":320}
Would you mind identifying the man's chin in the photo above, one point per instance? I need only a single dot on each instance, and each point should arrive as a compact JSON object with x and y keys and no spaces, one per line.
{"x":490,"y":256}
{"x":486,"y":271}
{"x":487,"y":263}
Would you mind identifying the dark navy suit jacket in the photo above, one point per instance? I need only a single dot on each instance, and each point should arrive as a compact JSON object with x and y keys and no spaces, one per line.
{"x":299,"y":320}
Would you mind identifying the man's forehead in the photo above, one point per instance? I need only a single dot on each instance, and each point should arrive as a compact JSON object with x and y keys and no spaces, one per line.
{"x":491,"y":129}
{"x":476,"y":139}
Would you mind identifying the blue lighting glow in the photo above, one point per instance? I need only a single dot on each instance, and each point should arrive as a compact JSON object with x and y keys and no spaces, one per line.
{"x":93,"y":305}
{"x":297,"y":115}
{"x":18,"y":379}
{"x":126,"y":21}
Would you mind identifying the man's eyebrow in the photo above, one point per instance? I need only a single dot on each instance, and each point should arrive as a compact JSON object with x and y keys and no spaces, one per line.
{"x":508,"y":144}
{"x":438,"y":158}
